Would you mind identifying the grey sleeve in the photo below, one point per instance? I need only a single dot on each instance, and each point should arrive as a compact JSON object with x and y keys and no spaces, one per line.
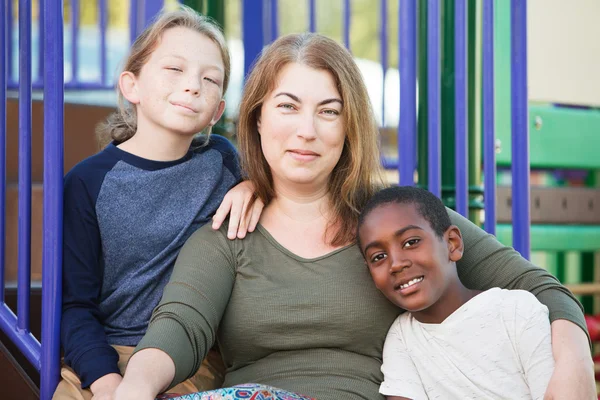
{"x":487,"y":263}
{"x":184,"y":323}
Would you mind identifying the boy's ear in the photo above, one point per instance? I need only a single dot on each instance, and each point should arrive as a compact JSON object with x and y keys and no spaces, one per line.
{"x":128,"y":86}
{"x":218,"y":113}
{"x":455,"y":243}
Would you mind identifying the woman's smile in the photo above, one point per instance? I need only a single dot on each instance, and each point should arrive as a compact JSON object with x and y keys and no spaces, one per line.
{"x":303,"y":155}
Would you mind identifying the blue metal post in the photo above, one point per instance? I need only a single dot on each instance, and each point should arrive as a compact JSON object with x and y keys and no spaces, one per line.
{"x":40,"y":70}
{"x":53,"y":200}
{"x":383,"y":41}
{"x":253,"y":35}
{"x":274,"y":15}
{"x":103,"y":25}
{"x":520,"y":128}
{"x":312,"y":16}
{"x":24,"y":252}
{"x":9,"y":34}
{"x":489,"y":145}
{"x":133,"y":20}
{"x":407,"y":128}
{"x":151,"y":9}
{"x":433,"y":97}
{"x":74,"y":39}
{"x":461,"y":107}
{"x":347,"y":13}
{"x":6,"y":59}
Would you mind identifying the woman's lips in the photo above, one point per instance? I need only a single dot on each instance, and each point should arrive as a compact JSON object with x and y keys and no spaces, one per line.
{"x":303,"y":155}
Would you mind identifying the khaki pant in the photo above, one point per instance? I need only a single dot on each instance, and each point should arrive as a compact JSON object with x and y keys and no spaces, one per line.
{"x":208,"y":377}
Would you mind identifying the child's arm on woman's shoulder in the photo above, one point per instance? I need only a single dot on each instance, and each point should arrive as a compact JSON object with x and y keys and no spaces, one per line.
{"x":83,"y":338}
{"x":241,"y":218}
{"x":235,"y":203}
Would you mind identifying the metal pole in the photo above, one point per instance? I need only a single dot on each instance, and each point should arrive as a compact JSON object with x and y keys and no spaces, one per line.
{"x":489,"y":146}
{"x":383,"y":42}
{"x":407,"y":127}
{"x":24,"y":273}
{"x":461,"y":107}
{"x":433,"y":78}
{"x":347,"y":13}
{"x":53,"y":199}
{"x":6,"y":59}
{"x":312,"y":16}
{"x":253,"y":35}
{"x":520,"y":128}
{"x":103,"y":26}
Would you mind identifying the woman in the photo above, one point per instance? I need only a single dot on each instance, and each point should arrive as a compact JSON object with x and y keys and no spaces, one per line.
{"x":293,"y":301}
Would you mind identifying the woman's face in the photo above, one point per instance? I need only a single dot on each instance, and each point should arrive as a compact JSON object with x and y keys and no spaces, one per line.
{"x":301,"y":127}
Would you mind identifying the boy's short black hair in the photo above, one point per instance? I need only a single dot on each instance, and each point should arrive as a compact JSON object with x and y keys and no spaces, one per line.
{"x":427,"y":204}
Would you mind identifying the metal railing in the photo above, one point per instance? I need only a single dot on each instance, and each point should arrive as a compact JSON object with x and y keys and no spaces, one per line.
{"x":45,"y":356}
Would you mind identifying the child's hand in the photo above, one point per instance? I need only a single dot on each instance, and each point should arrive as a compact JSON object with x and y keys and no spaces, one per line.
{"x":235,"y":203}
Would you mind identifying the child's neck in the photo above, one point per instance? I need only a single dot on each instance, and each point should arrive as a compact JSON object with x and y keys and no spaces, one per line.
{"x":451,"y":300}
{"x":157,"y":146}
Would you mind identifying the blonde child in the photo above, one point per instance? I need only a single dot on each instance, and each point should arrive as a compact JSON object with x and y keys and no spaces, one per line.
{"x":130,"y":208}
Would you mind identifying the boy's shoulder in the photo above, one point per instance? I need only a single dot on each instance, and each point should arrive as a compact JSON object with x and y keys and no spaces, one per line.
{"x":93,"y":167}
{"x":202,"y":143}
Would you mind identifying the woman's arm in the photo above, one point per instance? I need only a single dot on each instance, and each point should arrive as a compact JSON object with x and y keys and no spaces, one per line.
{"x":149,"y":372}
{"x":487,"y":263}
{"x":183,"y":326}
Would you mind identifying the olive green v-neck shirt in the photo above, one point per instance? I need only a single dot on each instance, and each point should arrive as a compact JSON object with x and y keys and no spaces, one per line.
{"x":312,"y":326}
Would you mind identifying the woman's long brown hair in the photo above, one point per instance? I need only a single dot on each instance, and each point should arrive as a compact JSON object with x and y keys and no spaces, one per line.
{"x":357,"y":174}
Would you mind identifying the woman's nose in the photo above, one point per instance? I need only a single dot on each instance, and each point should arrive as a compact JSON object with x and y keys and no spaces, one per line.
{"x":306,"y":128}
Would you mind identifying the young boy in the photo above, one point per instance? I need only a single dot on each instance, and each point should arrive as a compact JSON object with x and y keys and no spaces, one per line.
{"x":454,"y":343}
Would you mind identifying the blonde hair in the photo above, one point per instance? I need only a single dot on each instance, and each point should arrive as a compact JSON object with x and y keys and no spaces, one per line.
{"x":121,"y":125}
{"x":357,"y":174}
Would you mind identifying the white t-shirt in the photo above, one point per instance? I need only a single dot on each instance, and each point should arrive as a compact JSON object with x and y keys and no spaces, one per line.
{"x":495,"y":346}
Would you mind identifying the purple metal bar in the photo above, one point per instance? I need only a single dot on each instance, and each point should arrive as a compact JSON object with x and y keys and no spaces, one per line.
{"x":433,"y":97}
{"x":312,"y":16}
{"x":70,"y":85}
{"x":40,"y":70}
{"x":103,"y":24}
{"x":489,"y":150}
{"x":74,"y":39}
{"x":273,"y":14}
{"x":25,"y":341}
{"x":24,"y":252}
{"x":133,"y":20}
{"x":347,"y":12}
{"x":520,"y":131}
{"x":407,"y":128}
{"x":151,"y":9}
{"x":384,"y":53}
{"x":5,"y":60}
{"x":253,"y":35}
{"x":53,"y":200}
{"x":461,"y":110}
{"x":9,"y":35}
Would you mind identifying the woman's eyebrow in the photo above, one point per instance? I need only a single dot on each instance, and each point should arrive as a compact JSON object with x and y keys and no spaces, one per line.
{"x":323,"y":102}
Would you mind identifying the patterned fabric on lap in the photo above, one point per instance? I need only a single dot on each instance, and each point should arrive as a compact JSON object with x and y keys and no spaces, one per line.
{"x":241,"y":392}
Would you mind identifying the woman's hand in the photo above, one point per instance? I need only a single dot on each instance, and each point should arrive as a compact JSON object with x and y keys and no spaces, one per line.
{"x":148,"y":373}
{"x":235,"y":203}
{"x":573,"y":376}
{"x":104,"y":388}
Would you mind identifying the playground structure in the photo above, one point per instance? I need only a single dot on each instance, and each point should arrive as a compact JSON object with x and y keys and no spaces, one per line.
{"x":466,"y":63}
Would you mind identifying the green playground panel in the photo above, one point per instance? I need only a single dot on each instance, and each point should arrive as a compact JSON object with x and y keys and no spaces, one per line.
{"x":559,"y":137}
{"x":582,"y":238}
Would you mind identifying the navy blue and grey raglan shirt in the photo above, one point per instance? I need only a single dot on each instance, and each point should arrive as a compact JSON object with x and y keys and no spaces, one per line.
{"x":125,"y":220}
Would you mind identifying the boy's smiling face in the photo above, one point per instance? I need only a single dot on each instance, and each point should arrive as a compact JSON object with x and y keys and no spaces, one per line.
{"x":409,"y":263}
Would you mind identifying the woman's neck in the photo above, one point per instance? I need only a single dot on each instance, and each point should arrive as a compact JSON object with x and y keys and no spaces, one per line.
{"x":300,"y":204}
{"x":154,"y":144}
